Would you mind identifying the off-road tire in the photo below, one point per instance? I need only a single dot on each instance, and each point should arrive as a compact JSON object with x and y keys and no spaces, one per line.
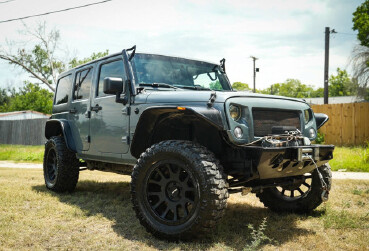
{"x":61,"y":167}
{"x":274,"y":200}
{"x":205,"y":170}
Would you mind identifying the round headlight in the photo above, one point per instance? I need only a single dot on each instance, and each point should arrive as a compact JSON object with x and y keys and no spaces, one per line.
{"x":312,"y":133}
{"x":235,"y":112}
{"x":238,"y":132}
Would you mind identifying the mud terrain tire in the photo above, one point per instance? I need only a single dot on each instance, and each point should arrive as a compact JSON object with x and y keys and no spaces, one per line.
{"x":178,"y":190}
{"x":61,"y":167}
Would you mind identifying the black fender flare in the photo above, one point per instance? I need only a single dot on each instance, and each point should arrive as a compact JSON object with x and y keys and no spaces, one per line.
{"x":56,"y":127}
{"x":150,"y":116}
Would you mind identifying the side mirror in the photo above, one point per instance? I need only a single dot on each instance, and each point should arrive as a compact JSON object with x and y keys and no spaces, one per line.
{"x":115,"y":86}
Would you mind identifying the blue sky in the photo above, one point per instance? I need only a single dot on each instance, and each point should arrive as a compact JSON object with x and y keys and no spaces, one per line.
{"x":287,"y":36}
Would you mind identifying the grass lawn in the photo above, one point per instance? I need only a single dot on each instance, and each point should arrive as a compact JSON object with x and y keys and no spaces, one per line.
{"x":353,"y":159}
{"x":22,"y":153}
{"x":98,"y":215}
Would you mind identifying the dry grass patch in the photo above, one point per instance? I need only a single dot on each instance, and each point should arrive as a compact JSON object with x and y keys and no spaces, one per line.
{"x":98,"y":215}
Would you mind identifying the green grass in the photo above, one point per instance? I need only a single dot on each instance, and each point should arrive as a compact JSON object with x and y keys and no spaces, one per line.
{"x":22,"y":153}
{"x":353,"y":159}
{"x":99,"y":216}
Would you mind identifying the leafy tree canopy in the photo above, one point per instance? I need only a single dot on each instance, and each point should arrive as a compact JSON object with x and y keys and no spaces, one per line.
{"x":341,"y":84}
{"x":241,"y":86}
{"x":361,"y":23}
{"x":75,"y":62}
{"x":291,"y":88}
{"x":29,"y":97}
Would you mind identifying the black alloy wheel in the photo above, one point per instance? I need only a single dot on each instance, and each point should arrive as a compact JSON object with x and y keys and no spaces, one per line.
{"x":52,"y":166}
{"x":171,"y":192}
{"x":298,"y":190}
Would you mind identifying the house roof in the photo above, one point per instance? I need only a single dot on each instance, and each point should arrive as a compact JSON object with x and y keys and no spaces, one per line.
{"x":4,"y":114}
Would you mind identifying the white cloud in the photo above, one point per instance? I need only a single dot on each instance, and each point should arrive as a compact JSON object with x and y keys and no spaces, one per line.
{"x":287,"y":35}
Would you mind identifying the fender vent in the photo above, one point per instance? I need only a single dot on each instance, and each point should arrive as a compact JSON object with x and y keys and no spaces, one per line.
{"x":266,"y":119}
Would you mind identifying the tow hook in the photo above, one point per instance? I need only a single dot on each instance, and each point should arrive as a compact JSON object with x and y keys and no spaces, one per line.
{"x":325,"y":191}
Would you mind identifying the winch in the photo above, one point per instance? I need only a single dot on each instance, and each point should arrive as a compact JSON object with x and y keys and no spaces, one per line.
{"x":288,"y":138}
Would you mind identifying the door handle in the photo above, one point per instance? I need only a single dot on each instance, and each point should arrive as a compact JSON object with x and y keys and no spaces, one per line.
{"x":96,"y":108}
{"x":72,"y":110}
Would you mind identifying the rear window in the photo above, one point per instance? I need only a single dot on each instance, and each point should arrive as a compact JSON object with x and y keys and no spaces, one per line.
{"x":82,"y":84}
{"x":63,"y":90}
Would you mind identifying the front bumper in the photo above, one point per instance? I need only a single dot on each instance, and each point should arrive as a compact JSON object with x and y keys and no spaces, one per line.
{"x":278,"y":162}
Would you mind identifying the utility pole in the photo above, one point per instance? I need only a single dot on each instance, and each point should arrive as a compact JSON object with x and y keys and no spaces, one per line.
{"x":257,"y":69}
{"x":326,"y":62}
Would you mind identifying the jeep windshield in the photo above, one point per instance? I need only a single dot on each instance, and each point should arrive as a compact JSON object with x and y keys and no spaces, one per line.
{"x":159,"y":71}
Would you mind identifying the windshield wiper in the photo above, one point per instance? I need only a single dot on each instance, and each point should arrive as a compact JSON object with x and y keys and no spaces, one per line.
{"x":193,"y":87}
{"x":158,"y":85}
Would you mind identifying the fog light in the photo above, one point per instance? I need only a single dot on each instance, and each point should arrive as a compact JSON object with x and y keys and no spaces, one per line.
{"x":238,"y":132}
{"x":312,"y":133}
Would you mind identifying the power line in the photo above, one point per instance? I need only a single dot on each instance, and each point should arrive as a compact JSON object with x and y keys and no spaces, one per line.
{"x":7,"y":1}
{"x":352,"y":34}
{"x":56,"y":11}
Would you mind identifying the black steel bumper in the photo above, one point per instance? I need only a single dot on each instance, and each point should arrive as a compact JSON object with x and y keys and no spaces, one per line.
{"x":278,"y":162}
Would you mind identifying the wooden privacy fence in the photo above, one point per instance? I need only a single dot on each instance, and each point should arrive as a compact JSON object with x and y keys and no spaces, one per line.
{"x":348,"y":123}
{"x":23,"y":132}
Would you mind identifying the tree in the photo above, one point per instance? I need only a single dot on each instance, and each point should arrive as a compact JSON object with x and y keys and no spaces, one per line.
{"x":341,"y":84}
{"x":75,"y":62}
{"x":290,"y":88}
{"x":360,"y":55}
{"x":4,"y":97}
{"x":361,"y":23}
{"x":215,"y":85}
{"x":29,"y":97}
{"x":241,"y":86}
{"x":40,"y":61}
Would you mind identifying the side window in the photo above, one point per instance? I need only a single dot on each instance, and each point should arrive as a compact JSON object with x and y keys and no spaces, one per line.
{"x":82,"y":84}
{"x":113,"y":69}
{"x":63,"y":90}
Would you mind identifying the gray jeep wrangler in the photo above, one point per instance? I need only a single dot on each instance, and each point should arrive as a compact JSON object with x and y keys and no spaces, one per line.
{"x":186,"y":138}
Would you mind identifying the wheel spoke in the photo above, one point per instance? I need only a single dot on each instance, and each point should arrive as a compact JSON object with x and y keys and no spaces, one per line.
{"x":292,"y":193}
{"x":306,"y":184}
{"x":157,"y":204}
{"x":175,"y":213}
{"x":184,"y":208}
{"x":283,"y":191}
{"x":160,"y":183}
{"x":300,"y":191}
{"x":165,"y":212}
{"x":161,"y":174}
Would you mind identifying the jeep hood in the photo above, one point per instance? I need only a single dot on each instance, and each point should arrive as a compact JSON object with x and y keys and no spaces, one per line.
{"x":186,"y":96}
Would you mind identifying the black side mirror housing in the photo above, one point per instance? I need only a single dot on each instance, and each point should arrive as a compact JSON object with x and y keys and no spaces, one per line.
{"x":117,"y":87}
{"x":113,"y":85}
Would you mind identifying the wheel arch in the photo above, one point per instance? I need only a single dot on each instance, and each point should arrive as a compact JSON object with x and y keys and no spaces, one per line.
{"x":173,"y":120}
{"x":60,"y":127}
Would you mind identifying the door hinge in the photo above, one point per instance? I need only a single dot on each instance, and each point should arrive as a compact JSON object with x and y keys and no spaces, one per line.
{"x":88,"y":114}
{"x":126,"y":110}
{"x":126,"y":139}
{"x":88,"y":139}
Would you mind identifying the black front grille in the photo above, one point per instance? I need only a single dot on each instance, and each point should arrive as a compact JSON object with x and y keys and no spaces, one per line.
{"x":265,"y":119}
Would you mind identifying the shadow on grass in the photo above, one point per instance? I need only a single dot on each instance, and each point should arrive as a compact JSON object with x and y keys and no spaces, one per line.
{"x":112,"y":201}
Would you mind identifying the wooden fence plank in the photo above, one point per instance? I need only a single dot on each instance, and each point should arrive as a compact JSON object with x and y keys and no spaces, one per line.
{"x":348,"y":123}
